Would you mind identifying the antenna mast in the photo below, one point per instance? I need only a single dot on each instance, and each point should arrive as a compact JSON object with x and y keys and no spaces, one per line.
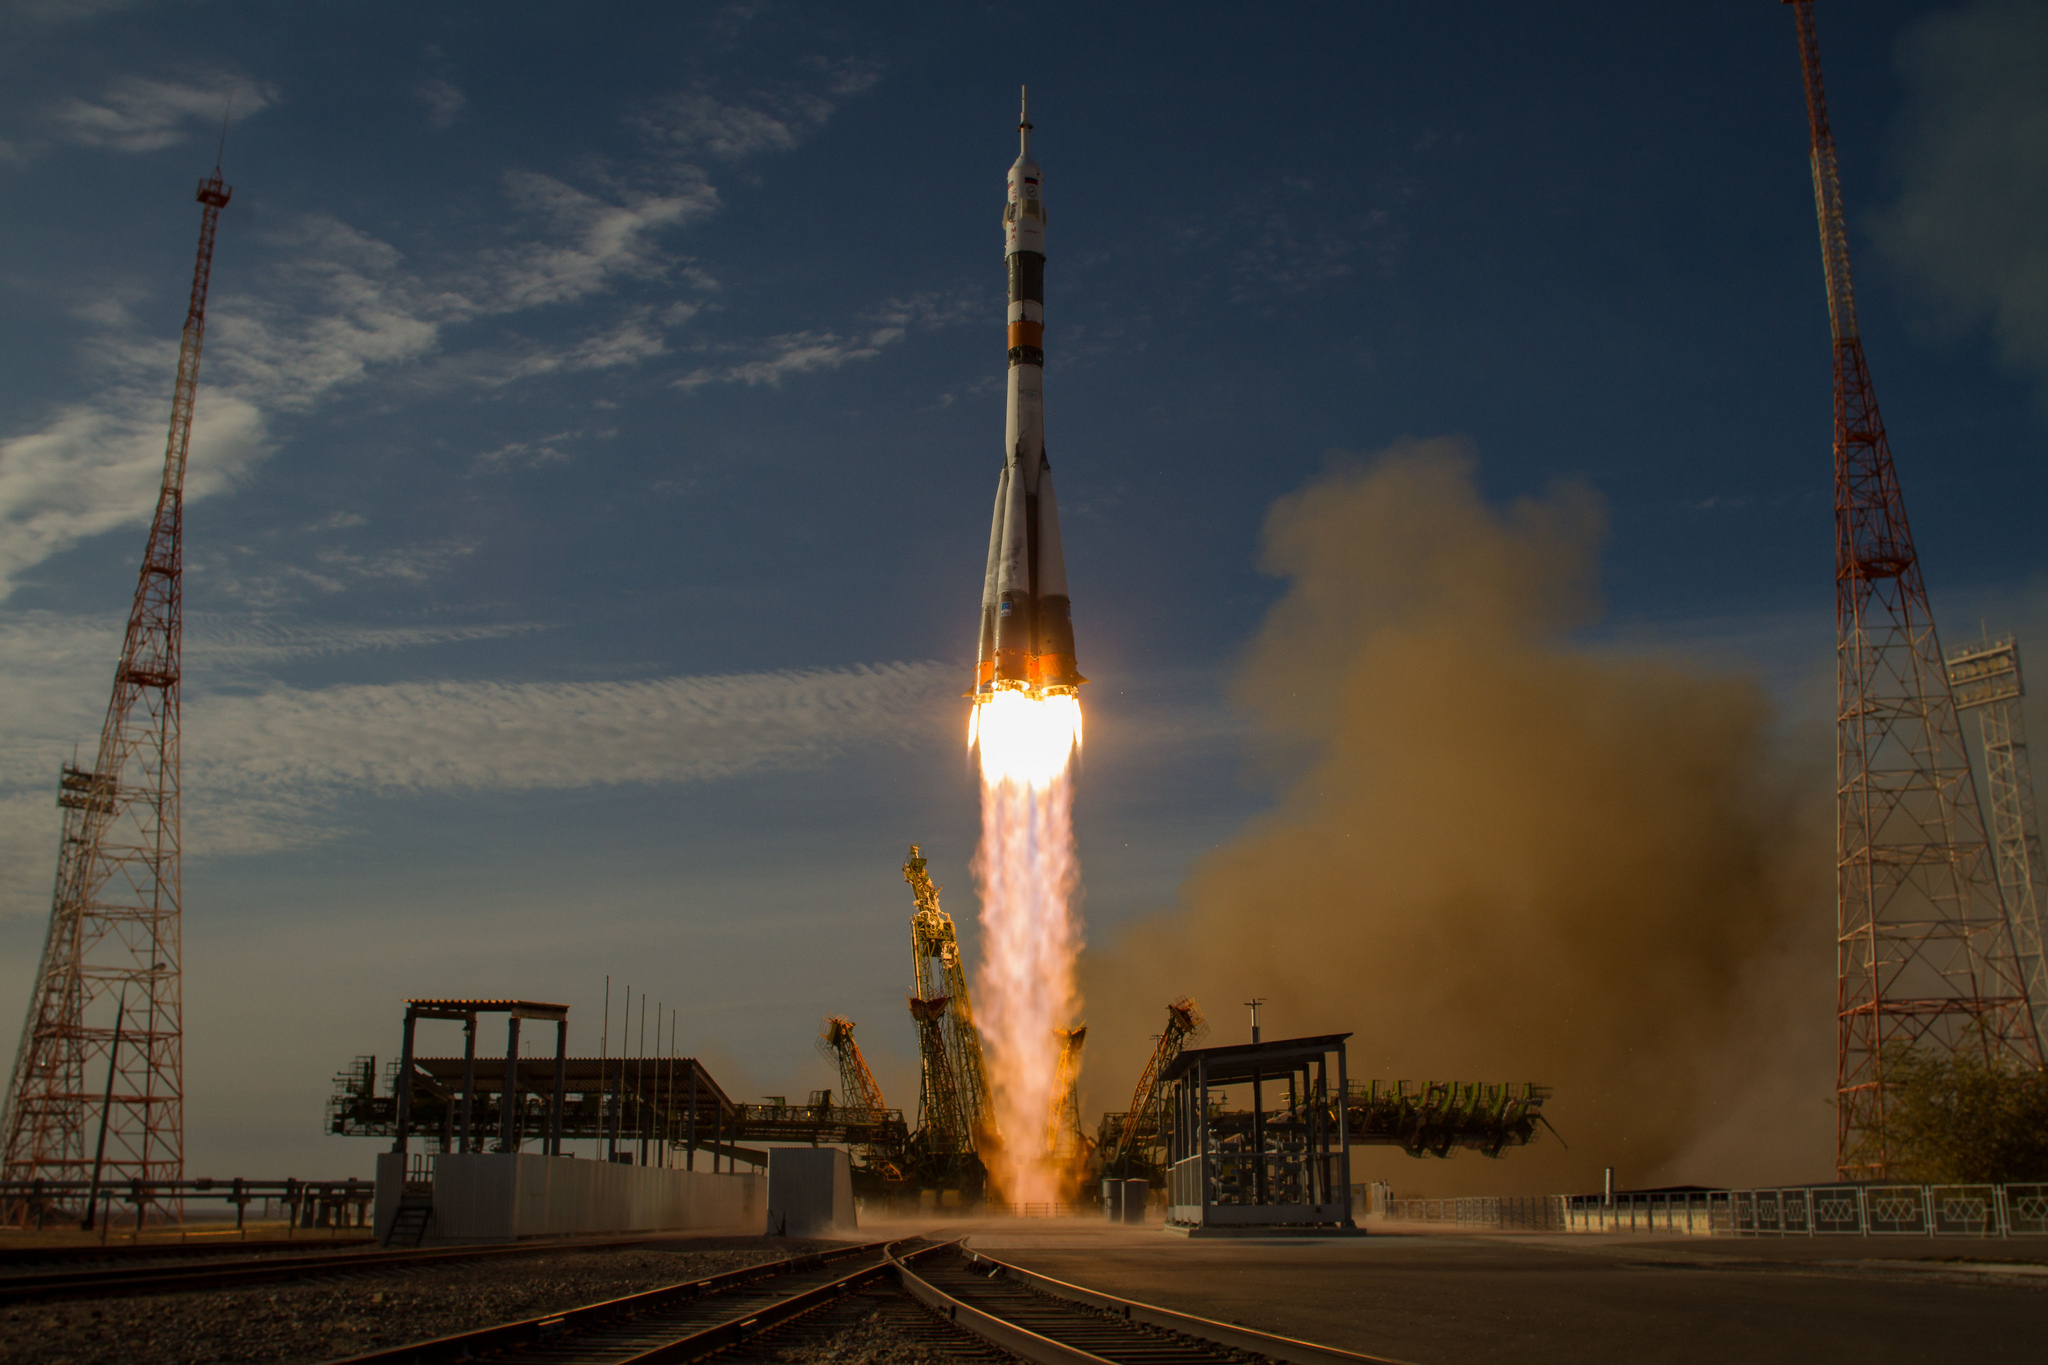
{"x":1924,"y":954}
{"x":115,"y":918}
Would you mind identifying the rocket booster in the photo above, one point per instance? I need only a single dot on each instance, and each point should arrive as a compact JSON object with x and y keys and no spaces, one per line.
{"x":1027,"y":636}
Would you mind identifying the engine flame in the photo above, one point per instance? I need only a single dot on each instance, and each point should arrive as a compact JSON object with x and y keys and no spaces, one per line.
{"x":1025,"y":738}
{"x":1027,"y":871}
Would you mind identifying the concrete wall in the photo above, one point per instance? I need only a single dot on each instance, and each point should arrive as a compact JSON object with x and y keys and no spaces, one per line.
{"x":497,"y":1197}
{"x":390,"y":1184}
{"x":810,"y":1191}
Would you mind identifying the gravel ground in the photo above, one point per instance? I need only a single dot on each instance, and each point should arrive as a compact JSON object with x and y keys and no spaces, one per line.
{"x":875,"y":1340}
{"x":359,"y":1311}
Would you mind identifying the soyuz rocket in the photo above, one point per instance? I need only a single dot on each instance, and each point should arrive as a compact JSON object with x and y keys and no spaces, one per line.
{"x":1027,"y":636}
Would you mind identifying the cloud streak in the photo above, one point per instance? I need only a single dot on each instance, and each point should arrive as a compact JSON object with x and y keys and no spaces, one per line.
{"x":698,"y":124}
{"x":267,"y":764}
{"x":139,"y":114}
{"x":794,"y":353}
{"x":267,"y":770}
{"x":335,"y":306}
{"x":412,"y":738}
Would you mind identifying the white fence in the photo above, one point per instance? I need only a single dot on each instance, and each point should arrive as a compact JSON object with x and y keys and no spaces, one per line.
{"x":1798,"y":1211}
{"x":1535,"y":1212}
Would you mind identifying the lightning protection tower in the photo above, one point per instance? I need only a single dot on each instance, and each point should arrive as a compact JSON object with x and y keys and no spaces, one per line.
{"x":1986,"y":678}
{"x":1923,"y":954}
{"x":98,"y":1088}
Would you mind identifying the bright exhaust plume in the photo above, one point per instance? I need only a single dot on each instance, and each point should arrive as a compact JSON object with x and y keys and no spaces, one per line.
{"x":1027,"y":872}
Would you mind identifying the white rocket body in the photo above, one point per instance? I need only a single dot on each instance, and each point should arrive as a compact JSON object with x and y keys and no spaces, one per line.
{"x":1027,"y":636}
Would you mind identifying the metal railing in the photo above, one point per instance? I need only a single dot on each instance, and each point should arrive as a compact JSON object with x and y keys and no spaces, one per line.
{"x":333,"y":1204}
{"x":1534,"y":1212}
{"x":1035,"y":1210}
{"x":1894,"y":1210}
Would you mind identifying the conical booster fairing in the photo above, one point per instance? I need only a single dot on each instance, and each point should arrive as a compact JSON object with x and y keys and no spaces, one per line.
{"x":1027,"y":634}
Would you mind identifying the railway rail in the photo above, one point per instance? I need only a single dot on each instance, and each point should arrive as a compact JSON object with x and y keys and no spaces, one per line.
{"x":209,"y":1246}
{"x":240,"y":1268}
{"x":953,"y":1303}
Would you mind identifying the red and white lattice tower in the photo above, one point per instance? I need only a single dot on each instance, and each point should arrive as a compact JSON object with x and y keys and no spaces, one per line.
{"x":1924,"y":954}
{"x":98,"y":1089}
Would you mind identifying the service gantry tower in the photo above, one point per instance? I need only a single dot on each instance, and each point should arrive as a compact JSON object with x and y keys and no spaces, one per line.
{"x":1063,"y":1136}
{"x":98,"y":1088}
{"x":1986,"y":677}
{"x":1924,"y":954}
{"x":939,"y":971}
{"x":1140,"y":1130}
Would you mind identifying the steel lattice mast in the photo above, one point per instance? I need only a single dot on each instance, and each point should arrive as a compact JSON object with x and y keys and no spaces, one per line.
{"x":1923,"y":952}
{"x":1987,"y":677}
{"x":98,"y":1089}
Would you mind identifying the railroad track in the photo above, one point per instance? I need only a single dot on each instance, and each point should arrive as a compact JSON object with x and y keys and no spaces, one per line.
{"x":685,"y":1321}
{"x":953,"y":1304}
{"x":106,"y":1282}
{"x":214,"y":1246}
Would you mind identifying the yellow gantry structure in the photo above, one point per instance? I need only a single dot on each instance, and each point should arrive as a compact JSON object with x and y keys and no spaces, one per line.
{"x":1063,"y":1136}
{"x":935,"y":960}
{"x":1140,"y":1127}
{"x":857,"y":1084}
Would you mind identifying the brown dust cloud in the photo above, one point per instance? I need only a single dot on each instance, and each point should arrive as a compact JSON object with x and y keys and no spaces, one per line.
{"x":1499,"y":852}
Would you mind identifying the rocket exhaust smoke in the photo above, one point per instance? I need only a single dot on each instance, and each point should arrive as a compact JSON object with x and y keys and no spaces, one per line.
{"x":1500,"y":854}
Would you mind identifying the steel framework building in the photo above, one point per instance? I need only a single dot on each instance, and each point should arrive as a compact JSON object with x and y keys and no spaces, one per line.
{"x":98,"y":1088}
{"x":1986,"y":677}
{"x":1924,"y":956}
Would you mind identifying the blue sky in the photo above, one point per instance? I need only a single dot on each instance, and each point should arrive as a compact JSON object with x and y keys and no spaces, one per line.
{"x":601,"y":410}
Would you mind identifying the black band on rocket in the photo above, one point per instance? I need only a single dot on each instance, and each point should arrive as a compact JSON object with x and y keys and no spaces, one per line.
{"x":1027,"y":277}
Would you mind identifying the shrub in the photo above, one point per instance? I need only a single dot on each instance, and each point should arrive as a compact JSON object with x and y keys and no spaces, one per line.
{"x":1974,"y":1115}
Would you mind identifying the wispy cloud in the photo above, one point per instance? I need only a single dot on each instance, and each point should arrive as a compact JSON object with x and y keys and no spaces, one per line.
{"x":266,"y":764}
{"x":777,"y":358}
{"x":696,"y":123}
{"x":261,"y":580}
{"x":1279,"y":242}
{"x":529,"y":454}
{"x":793,"y":353}
{"x":445,"y":104}
{"x":588,"y":242}
{"x":141,"y":114}
{"x":1967,"y":230}
{"x":92,"y":469}
{"x":335,"y":305}
{"x":639,"y":335}
{"x":268,"y":770}
{"x":409,"y":738}
{"x":228,"y":647}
